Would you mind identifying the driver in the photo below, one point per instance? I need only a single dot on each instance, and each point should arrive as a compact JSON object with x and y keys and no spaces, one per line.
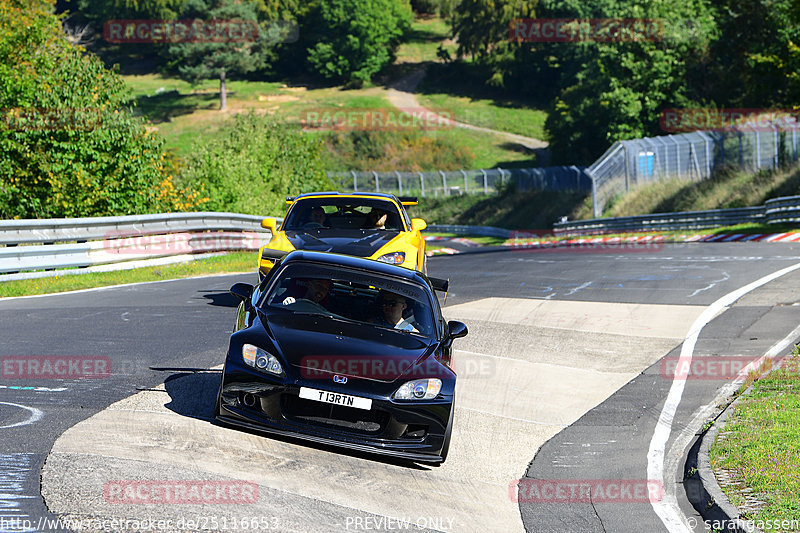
{"x":317,"y":216}
{"x":317,"y":291}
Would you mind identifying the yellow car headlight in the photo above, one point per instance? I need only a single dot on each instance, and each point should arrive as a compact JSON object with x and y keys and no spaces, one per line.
{"x":394,"y":258}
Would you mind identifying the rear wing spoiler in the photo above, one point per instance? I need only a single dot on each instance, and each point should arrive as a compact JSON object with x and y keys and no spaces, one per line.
{"x":273,"y":255}
{"x":439,"y":284}
{"x":408,"y":200}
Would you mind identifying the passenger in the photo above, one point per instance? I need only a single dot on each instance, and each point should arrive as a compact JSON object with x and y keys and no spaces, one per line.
{"x":376,"y":219}
{"x":391,"y":307}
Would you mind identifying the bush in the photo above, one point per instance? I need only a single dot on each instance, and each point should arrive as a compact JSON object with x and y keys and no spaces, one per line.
{"x":385,"y":150}
{"x":68,"y":145}
{"x":253,"y":164}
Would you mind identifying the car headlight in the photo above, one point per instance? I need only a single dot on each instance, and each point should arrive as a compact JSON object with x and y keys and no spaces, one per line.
{"x":260,"y":359}
{"x":395,"y":258}
{"x":419,"y":389}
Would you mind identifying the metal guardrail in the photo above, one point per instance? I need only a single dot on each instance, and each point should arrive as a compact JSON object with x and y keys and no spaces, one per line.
{"x":48,"y":244}
{"x":488,"y":231}
{"x":775,"y":211}
{"x":91,"y":228}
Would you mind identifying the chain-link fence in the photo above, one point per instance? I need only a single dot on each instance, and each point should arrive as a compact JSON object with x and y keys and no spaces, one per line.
{"x":456,"y":182}
{"x":692,"y":156}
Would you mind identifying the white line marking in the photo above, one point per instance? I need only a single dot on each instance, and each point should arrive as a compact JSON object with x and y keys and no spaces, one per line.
{"x":34,"y":389}
{"x":725,"y":277}
{"x":576,"y":289}
{"x":667,"y":510}
{"x":36,"y":415}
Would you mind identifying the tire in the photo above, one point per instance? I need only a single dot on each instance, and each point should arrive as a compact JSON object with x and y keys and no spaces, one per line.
{"x":449,"y":432}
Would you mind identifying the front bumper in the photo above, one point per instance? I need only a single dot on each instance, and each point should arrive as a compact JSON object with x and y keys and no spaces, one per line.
{"x":408,"y":430}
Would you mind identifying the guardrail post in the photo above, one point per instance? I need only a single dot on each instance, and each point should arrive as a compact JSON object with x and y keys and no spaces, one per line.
{"x":377,"y":183}
{"x":775,"y":144}
{"x":355,"y":180}
{"x":741,"y":149}
{"x":444,"y":183}
{"x":421,"y":183}
{"x":677,"y":155}
{"x":627,"y":169}
{"x":399,"y":182}
{"x":758,"y":150}
{"x":466,"y":187}
{"x":485,"y":182}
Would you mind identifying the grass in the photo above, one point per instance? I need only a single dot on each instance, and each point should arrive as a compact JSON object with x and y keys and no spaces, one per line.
{"x":427,"y":33}
{"x":489,"y":113}
{"x":483,"y":240}
{"x":760,"y":445}
{"x":229,"y":263}
{"x":185,"y":114}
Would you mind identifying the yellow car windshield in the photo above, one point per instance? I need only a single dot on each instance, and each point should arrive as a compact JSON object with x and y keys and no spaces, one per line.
{"x":343,"y":213}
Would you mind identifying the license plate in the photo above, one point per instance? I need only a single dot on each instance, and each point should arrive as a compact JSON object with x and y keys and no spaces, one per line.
{"x":335,"y":398}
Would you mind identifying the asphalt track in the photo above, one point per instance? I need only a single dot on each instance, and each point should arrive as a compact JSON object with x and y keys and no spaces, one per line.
{"x":561,"y":364}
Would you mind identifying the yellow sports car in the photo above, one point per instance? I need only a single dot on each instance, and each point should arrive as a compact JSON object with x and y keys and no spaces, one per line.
{"x":372,"y":225}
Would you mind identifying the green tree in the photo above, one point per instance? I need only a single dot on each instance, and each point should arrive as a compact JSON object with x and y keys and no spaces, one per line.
{"x":69,"y":146}
{"x":610,"y":91}
{"x":354,"y":39}
{"x":254,"y":164}
{"x":756,"y":60}
{"x":207,"y":59}
{"x":479,"y":25}
{"x":100,"y":11}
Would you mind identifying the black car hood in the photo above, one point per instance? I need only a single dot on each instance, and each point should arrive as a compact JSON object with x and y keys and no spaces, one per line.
{"x":320,"y":347}
{"x":358,"y":242}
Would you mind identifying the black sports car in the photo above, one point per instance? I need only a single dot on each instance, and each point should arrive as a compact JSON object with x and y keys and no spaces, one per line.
{"x":346,"y":351}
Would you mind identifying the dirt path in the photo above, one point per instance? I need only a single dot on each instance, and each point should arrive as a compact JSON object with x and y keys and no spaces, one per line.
{"x":401,"y":95}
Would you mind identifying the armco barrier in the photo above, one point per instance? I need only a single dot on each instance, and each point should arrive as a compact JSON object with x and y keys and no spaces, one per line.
{"x":27,"y":245}
{"x":775,"y":211}
{"x":488,"y":231}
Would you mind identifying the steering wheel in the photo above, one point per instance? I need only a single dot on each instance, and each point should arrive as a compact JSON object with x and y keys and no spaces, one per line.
{"x":312,"y":225}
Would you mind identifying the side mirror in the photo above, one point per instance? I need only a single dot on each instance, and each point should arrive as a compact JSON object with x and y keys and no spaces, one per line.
{"x":417,"y":224}
{"x":456,"y":329}
{"x":270,"y":223}
{"x":243,"y":291}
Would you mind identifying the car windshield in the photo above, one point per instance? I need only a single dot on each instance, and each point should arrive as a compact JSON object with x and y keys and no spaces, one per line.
{"x":343,"y":213}
{"x":344,"y":294}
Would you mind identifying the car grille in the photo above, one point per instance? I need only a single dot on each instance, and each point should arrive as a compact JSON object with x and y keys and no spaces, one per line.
{"x":334,"y":417}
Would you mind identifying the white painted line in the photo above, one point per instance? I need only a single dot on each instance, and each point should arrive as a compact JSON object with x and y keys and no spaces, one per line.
{"x":691,"y":430}
{"x":35,"y":389}
{"x":668,"y":511}
{"x":36,"y":415}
